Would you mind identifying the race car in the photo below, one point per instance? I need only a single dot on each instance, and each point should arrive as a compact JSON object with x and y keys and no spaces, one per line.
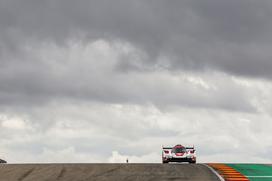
{"x":178,"y":153}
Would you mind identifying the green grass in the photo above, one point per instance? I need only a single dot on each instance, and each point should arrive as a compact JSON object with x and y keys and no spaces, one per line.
{"x":258,"y":170}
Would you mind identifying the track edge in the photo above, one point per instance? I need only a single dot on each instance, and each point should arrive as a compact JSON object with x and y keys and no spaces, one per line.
{"x":215,"y":172}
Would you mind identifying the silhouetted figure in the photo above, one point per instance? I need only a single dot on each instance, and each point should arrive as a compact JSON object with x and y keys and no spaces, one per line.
{"x":127,"y":160}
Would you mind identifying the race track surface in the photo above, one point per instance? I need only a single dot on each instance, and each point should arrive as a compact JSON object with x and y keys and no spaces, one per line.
{"x":105,"y":172}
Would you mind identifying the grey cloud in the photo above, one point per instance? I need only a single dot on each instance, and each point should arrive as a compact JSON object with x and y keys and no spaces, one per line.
{"x":86,"y":72}
{"x":232,"y":36}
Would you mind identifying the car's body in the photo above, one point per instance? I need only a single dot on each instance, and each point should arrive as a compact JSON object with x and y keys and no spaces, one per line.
{"x":2,"y":161}
{"x":178,"y":153}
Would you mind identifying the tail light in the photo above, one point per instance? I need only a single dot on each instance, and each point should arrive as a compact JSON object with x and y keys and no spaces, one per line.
{"x":166,"y":151}
{"x":192,"y":151}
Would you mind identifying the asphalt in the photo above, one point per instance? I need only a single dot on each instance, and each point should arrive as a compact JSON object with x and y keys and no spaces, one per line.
{"x":105,"y":172}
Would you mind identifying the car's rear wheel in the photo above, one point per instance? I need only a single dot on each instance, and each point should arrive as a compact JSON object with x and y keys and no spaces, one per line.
{"x":164,"y":162}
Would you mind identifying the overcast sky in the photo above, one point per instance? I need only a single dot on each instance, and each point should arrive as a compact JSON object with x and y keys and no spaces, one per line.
{"x":103,"y":80}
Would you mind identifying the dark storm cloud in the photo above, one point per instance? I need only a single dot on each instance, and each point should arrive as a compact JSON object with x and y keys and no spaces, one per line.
{"x":50,"y":73}
{"x":233,"y":36}
{"x":190,"y":35}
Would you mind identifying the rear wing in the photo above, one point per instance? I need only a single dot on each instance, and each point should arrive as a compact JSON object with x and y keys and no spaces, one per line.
{"x":167,"y":148}
{"x":190,"y":147}
{"x":186,"y":147}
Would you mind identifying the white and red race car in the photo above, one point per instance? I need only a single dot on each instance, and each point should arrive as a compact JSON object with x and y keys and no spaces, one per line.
{"x":178,"y":153}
